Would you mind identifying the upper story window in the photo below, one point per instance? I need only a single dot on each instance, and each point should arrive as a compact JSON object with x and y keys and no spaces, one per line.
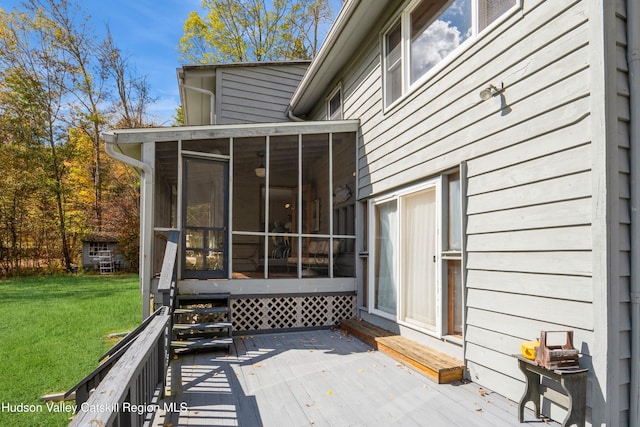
{"x":334,"y":104}
{"x":427,"y":32}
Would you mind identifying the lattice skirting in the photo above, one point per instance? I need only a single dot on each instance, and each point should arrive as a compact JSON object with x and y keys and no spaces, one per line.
{"x":286,"y":312}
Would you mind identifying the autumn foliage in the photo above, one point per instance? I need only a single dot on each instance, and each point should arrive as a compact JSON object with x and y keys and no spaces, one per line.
{"x":60,"y":88}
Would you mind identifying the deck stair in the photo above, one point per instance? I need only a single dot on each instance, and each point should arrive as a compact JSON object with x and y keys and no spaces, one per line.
{"x":202,"y":322}
{"x":435,"y":365}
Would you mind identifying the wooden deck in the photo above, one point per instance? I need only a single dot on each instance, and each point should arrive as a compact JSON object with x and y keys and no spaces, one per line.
{"x":438,"y":366}
{"x":320,"y":378}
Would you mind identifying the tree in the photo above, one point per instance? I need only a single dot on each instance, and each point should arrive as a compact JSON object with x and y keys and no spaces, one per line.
{"x":20,"y":151}
{"x":41,"y":77}
{"x":60,"y":88}
{"x":247,"y":30}
{"x":132,"y":91}
{"x":72,"y":42}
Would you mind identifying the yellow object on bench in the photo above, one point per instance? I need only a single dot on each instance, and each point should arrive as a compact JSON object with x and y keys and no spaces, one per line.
{"x":528,"y":349}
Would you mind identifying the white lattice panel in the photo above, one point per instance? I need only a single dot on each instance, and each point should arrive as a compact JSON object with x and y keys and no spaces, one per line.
{"x":254,"y":314}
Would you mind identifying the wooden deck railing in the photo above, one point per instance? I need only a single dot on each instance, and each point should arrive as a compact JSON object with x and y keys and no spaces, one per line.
{"x":129,"y":384}
{"x":83,"y":389}
{"x":129,"y":394}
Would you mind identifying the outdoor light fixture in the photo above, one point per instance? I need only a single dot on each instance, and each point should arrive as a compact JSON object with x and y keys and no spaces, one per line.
{"x":491,"y":91}
{"x":260,"y":170}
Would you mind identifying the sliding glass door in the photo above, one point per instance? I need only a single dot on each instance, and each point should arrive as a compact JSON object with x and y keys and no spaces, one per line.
{"x":416,"y":274}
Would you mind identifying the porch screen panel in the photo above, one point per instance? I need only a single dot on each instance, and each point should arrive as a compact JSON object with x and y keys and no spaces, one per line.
{"x":248,"y":206}
{"x":344,"y":218}
{"x":283,"y":180}
{"x":248,"y":201}
{"x":418,"y":258}
{"x":385,"y":279}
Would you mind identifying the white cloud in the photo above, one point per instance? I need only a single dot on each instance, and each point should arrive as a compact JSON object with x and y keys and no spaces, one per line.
{"x":433,"y":46}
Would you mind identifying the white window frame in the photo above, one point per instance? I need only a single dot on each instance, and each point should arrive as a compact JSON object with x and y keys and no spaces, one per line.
{"x":443,"y":255}
{"x":336,"y":91}
{"x":404,"y":16}
{"x":96,"y":247}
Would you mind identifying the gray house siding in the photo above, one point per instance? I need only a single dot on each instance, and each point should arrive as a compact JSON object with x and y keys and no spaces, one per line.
{"x":541,"y":253}
{"x":256,"y":94}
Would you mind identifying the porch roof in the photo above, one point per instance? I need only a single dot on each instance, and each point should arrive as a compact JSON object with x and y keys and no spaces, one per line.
{"x":141,"y":135}
{"x":129,"y":141}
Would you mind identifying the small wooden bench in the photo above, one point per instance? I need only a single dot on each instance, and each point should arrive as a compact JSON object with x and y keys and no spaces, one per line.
{"x":435,"y":365}
{"x":573,"y":382}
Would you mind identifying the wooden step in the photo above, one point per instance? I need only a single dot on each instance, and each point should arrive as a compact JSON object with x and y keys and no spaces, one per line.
{"x":212,"y":330}
{"x":435,"y":365}
{"x":209,"y":310}
{"x":207,"y":297}
{"x":202,"y":344}
{"x":201,"y":326}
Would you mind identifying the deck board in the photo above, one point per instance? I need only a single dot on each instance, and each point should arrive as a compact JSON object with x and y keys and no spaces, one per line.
{"x":321,"y":378}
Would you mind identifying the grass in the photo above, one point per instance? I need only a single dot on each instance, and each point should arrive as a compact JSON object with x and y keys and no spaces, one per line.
{"x":52,"y":332}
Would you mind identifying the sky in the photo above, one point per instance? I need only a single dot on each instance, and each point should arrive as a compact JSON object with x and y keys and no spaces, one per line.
{"x":148,"y":32}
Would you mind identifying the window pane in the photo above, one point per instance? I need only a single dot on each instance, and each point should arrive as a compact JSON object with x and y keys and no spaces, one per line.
{"x":490,"y":10}
{"x":455,"y":214}
{"x":393,"y":64}
{"x":385,"y":286}
{"x":335,"y":106}
{"x":433,"y":39}
{"x":455,"y":297}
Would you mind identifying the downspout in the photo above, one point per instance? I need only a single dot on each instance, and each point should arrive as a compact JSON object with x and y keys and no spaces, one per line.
{"x":633,"y":59}
{"x":292,"y":117}
{"x":108,"y":146}
{"x":212,"y":98}
{"x":147,"y":179}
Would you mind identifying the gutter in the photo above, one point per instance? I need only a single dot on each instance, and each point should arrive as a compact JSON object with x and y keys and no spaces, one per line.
{"x":212,"y":98}
{"x":633,"y":60}
{"x":118,"y":155}
{"x":293,"y":117}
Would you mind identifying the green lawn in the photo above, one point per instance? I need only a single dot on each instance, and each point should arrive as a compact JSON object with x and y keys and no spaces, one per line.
{"x":52,"y":331}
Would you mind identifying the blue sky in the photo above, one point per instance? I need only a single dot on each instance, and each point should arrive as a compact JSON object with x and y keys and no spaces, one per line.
{"x":147,"y":32}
